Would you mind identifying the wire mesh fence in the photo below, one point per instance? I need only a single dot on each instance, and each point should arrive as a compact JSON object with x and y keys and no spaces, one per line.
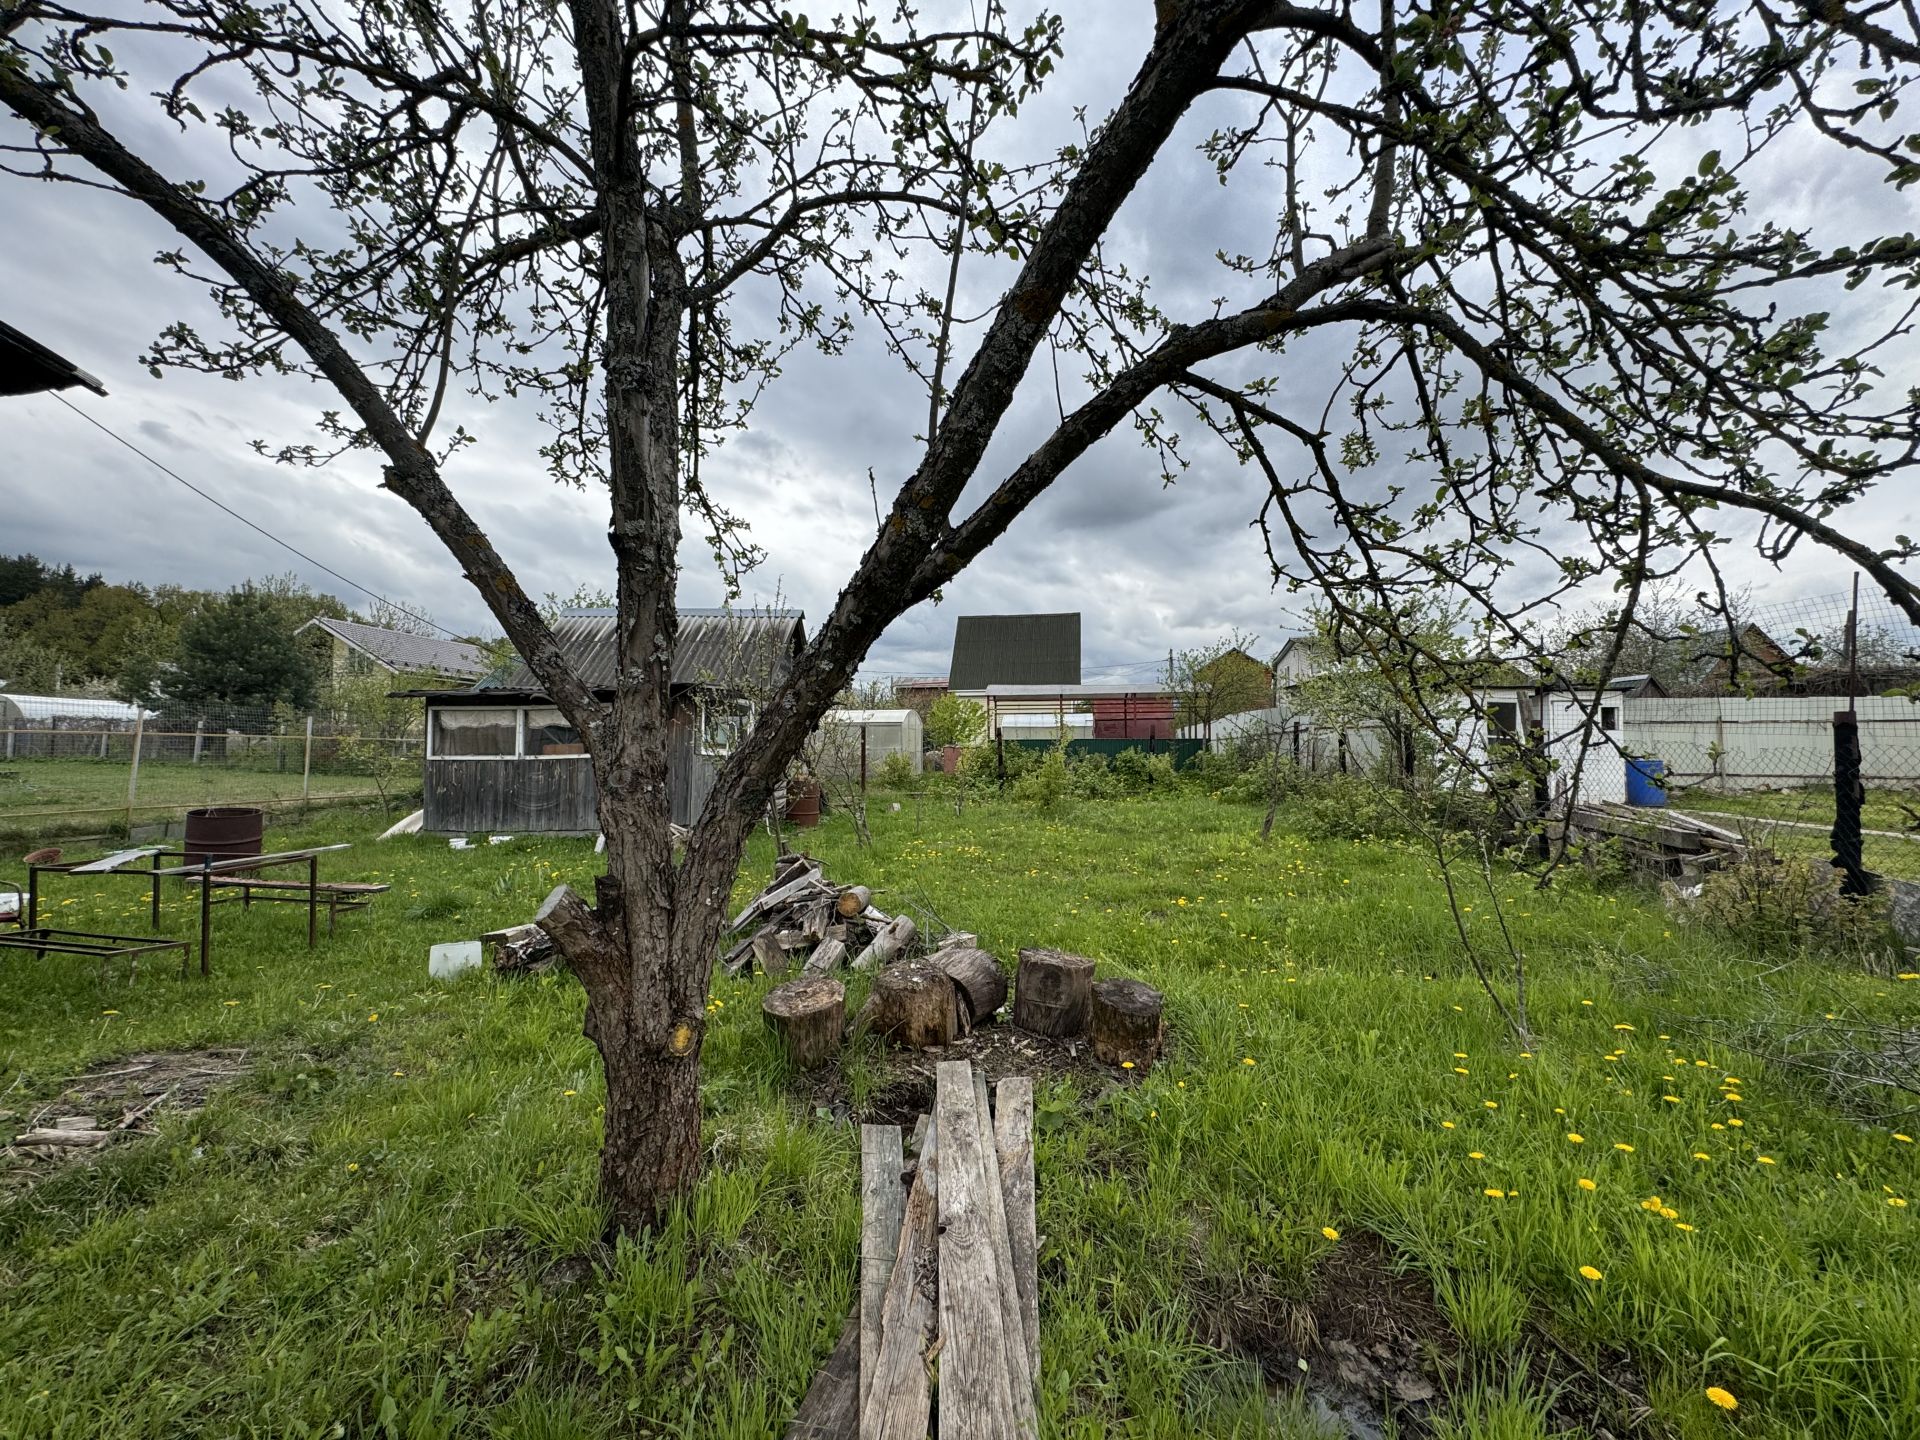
{"x":95,"y":773}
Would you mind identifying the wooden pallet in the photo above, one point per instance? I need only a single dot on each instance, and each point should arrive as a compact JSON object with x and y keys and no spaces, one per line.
{"x":948,"y":1319}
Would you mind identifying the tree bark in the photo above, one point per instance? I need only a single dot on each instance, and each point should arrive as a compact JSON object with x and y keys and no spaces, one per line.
{"x":978,"y":979}
{"x":915,"y":1004}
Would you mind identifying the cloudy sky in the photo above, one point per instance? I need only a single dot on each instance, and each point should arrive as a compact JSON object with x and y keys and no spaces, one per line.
{"x":1150,"y":567}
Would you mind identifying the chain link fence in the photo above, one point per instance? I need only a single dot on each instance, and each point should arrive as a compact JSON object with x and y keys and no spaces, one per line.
{"x":114,"y":770}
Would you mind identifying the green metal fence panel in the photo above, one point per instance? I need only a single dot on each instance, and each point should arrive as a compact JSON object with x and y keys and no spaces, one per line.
{"x":1182,"y":751}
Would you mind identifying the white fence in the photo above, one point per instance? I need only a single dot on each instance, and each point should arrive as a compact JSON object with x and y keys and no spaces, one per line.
{"x":1772,"y":742}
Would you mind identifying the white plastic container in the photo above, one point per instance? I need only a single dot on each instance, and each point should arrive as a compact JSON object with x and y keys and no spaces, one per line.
{"x":453,"y":959}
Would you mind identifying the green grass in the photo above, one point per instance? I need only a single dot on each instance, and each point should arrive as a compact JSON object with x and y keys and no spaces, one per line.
{"x":55,"y":797}
{"x":391,"y":1228}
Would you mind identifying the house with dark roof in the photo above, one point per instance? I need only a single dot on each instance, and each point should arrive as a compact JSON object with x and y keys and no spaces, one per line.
{"x":354,"y":648}
{"x":1014,"y":650}
{"x":29,"y":368}
{"x":502,"y":757}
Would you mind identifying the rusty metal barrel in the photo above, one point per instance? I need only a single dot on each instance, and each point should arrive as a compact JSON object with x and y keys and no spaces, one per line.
{"x":224,"y":832}
{"x":803,"y":802}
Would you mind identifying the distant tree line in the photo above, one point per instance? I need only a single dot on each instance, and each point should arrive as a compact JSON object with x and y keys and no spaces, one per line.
{"x":65,"y":633}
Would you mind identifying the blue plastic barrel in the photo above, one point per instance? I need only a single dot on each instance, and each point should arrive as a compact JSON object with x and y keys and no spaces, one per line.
{"x":1647,"y":782}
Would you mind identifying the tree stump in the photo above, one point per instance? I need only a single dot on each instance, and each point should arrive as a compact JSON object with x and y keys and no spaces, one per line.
{"x":977,"y":977}
{"x":1053,"y":993}
{"x":808,"y":1015}
{"x":1126,"y":1022}
{"x":915,"y":1004}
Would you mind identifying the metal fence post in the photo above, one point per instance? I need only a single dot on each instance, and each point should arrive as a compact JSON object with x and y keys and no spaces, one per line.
{"x":306,"y":765}
{"x":199,"y":738}
{"x":133,"y":773}
{"x":1849,"y":794}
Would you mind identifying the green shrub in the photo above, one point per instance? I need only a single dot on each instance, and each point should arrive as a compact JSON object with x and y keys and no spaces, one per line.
{"x":1046,"y":784}
{"x":1130,"y":771}
{"x":1786,"y":905}
{"x":895,"y":773}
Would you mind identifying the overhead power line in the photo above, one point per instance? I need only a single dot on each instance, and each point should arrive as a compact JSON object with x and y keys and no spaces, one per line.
{"x":251,"y":524}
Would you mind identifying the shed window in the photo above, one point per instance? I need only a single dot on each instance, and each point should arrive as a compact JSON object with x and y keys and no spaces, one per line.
{"x":724,"y":724}
{"x":1609,"y":717}
{"x":1505,"y":717}
{"x":549,"y":733}
{"x":461,"y":734}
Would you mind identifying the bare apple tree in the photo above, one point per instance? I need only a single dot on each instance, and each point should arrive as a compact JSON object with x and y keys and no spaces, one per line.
{"x":1518,"y":237}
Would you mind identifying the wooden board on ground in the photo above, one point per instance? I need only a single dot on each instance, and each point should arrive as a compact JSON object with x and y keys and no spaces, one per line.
{"x":973,"y":1342}
{"x":899,"y":1397}
{"x":831,"y":1410}
{"x":1013,"y":1144}
{"x":883,"y":1206}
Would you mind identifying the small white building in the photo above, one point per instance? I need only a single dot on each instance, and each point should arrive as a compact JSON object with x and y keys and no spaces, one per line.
{"x":884,"y":733}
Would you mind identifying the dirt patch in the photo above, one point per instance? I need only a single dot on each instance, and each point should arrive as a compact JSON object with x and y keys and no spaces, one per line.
{"x":109,"y":1101}
{"x":996,"y":1051}
{"x":1371,"y":1349}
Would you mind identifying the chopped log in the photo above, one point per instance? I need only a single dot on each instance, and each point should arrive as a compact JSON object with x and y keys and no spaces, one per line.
{"x":827,"y":957}
{"x":837,"y":932}
{"x":1053,"y":993}
{"x":767,"y":953}
{"x":737,"y":960}
{"x":978,"y":978}
{"x":853,"y":900}
{"x":831,"y":1410}
{"x":896,"y":1401}
{"x":1126,"y":1022}
{"x":808,"y":1015}
{"x":973,"y":1339}
{"x":786,"y":866}
{"x":1012,"y":1326}
{"x":959,"y":939}
{"x":520,"y":948}
{"x":1013,"y":1144}
{"x":815,"y":916}
{"x":883,"y":1206}
{"x":774,"y":897}
{"x":792,"y":939}
{"x":894,"y":937}
{"x":875,"y":916}
{"x":914,"y":1004}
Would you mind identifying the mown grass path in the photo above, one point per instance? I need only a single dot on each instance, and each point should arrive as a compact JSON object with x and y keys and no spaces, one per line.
{"x":390,"y":1227}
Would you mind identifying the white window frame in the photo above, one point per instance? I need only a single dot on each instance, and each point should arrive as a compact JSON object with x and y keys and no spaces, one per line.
{"x":526,"y":730}
{"x":434,"y":752}
{"x":741,"y":709}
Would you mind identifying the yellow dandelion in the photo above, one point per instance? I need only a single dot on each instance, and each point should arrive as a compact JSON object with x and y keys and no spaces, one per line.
{"x":1126,"y":1064}
{"x":1460,"y":1070}
{"x":1681,"y":1225}
{"x":1494,"y":1194}
{"x":1491,"y":1104}
{"x":1246,"y":1060}
{"x":1622,"y":1145}
{"x":1903,"y":1139}
{"x":1586,"y":1184}
{"x":1896,"y":1202}
{"x":1475,"y":1155}
{"x":1722,"y":1398}
{"x":1764,"y":1159}
{"x":1588,"y":1272}
{"x":1329,"y":1232}
{"x":1574,"y":1137}
{"x":1701,"y":1155}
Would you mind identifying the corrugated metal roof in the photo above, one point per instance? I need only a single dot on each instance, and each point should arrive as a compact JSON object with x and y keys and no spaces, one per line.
{"x":872,"y":717}
{"x":720,"y":648}
{"x":400,"y":651}
{"x":68,"y":707}
{"x":1015,"y":650}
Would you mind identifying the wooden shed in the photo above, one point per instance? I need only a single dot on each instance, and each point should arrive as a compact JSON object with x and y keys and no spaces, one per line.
{"x":502,"y":758}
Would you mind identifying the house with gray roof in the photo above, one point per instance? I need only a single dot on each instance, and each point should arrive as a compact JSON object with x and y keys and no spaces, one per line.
{"x":354,"y":647}
{"x":502,"y":757}
{"x":1014,"y":650}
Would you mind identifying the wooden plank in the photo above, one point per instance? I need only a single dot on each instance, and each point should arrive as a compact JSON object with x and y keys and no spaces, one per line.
{"x":770,"y":899}
{"x":901,"y":1397}
{"x":883,"y":1206}
{"x":1013,"y":1144}
{"x":831,"y":1410}
{"x":114,"y":861}
{"x":1012,"y":1325}
{"x":976,"y":1394}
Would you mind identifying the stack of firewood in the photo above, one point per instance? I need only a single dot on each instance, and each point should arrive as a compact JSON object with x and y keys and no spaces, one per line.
{"x":949,"y":1284}
{"x":803,"y":918}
